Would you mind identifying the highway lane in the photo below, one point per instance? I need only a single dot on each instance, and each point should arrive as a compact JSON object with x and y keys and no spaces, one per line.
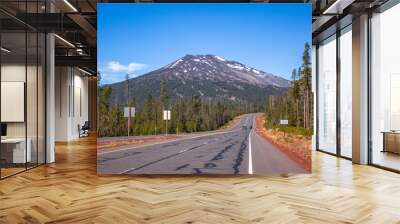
{"x":238,"y":150}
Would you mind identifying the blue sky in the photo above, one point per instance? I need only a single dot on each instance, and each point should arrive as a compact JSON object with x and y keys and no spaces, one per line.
{"x":139,"y":38}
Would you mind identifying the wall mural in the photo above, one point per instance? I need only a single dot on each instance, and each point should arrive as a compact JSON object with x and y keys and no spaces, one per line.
{"x":204,"y":89}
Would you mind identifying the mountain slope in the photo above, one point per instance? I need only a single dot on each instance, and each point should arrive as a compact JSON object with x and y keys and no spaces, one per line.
{"x":208,"y":76}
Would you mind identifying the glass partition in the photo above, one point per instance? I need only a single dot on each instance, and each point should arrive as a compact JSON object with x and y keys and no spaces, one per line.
{"x":346,"y":92}
{"x":13,"y":109}
{"x":22,"y":88}
{"x":327,"y":95}
{"x":385,"y":89}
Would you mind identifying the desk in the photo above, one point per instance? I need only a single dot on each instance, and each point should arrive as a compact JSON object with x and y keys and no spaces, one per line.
{"x":391,"y":141}
{"x":13,"y":150}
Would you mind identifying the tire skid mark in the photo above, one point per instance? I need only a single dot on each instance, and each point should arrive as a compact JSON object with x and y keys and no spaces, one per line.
{"x":239,"y":158}
{"x":209,"y":165}
{"x":226,"y":141}
{"x":170,"y":144}
{"x":219,"y":155}
{"x":164,"y":158}
{"x":125,"y":155}
{"x":197,"y":171}
{"x":182,"y":167}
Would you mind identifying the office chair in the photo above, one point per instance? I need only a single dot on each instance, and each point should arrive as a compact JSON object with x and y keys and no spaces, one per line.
{"x":84,"y":130}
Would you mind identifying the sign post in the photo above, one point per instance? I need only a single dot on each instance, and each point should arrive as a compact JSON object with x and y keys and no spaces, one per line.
{"x":129,"y":112}
{"x":167,"y":117}
{"x":284,"y":122}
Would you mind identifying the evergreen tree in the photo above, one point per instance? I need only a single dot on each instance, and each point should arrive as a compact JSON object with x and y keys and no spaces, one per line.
{"x":296,"y":104}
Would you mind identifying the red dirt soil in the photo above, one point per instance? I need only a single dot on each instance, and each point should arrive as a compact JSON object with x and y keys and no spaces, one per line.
{"x":296,"y":147}
{"x":133,"y":141}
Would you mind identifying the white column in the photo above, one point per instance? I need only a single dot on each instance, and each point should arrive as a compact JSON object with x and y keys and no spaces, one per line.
{"x":50,"y":99}
{"x":360,"y":90}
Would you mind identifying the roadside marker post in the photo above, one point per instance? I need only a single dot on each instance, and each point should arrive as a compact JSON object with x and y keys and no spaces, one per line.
{"x":129,"y":112}
{"x":284,"y":122}
{"x":167,"y":117}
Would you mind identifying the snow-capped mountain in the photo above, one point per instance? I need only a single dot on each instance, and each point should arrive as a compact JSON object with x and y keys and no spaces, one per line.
{"x":207,"y":76}
{"x":212,"y":67}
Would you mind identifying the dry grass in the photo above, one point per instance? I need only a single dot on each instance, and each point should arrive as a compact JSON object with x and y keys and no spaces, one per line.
{"x":231,"y":123}
{"x":102,"y":144}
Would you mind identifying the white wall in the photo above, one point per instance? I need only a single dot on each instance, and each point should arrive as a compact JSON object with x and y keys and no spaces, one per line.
{"x":62,"y":82}
{"x":16,"y":73}
{"x":80,"y":110}
{"x":33,"y":126}
{"x":71,"y":102}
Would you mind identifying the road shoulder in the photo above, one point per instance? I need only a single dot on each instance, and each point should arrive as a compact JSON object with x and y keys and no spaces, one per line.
{"x":297,"y":148}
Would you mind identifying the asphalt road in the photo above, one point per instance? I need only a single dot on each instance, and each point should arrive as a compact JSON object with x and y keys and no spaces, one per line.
{"x":238,"y":150}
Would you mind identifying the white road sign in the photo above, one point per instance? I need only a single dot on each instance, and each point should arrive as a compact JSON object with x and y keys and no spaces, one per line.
{"x":284,"y":122}
{"x":132,"y":111}
{"x":167,"y":115}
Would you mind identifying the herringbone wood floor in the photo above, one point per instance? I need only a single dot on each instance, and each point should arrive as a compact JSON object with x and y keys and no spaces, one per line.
{"x":69,"y":191}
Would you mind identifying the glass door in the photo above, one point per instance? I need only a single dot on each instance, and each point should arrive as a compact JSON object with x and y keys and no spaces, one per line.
{"x":385,"y":89}
{"x":327,"y":95}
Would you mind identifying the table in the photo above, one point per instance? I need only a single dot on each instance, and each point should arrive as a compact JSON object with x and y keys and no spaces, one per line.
{"x":13,"y":150}
{"x":391,"y":141}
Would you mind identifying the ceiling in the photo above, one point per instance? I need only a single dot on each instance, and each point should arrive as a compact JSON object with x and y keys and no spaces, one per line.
{"x":73,"y":21}
{"x":330,"y":15}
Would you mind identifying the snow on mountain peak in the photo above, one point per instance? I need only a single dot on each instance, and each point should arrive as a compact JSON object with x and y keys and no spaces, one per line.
{"x":175,"y":63}
{"x":256,"y":71}
{"x":236,"y":66}
{"x":213,"y":67}
{"x":219,"y":58}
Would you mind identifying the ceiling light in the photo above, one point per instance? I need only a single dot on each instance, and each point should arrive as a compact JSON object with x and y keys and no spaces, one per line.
{"x":337,"y":7}
{"x":64,"y":40}
{"x":79,"y":51}
{"x":330,"y":8}
{"x":84,"y":71}
{"x":70,"y":5}
{"x":5,"y":50}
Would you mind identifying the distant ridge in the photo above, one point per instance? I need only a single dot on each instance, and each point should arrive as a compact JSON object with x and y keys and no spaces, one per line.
{"x":208,"y":76}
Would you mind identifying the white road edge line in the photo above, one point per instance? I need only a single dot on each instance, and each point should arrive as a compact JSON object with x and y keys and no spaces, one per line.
{"x":250,"y":152}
